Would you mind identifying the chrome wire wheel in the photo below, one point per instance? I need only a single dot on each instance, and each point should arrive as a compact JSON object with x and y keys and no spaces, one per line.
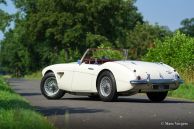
{"x":105,"y":86}
{"x":50,"y":86}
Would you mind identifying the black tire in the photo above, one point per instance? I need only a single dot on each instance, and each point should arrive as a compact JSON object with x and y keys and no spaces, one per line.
{"x":112,"y":84}
{"x":157,"y":96}
{"x":57,"y":95}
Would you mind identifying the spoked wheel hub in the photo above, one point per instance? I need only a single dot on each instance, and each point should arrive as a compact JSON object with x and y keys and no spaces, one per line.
{"x":105,"y":86}
{"x":51,"y":86}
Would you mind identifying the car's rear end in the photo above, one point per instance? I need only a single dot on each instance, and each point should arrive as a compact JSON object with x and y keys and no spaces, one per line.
{"x":152,"y":77}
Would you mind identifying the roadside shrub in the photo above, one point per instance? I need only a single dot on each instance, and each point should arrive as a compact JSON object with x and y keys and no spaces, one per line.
{"x":176,"y":51}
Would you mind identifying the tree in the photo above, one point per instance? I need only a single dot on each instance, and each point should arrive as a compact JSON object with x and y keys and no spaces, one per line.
{"x":187,"y":26}
{"x":14,"y":56}
{"x":4,"y":17}
{"x":69,"y":22}
{"x":176,"y":50}
{"x":46,"y":30}
{"x":142,"y":37}
{"x":3,"y":2}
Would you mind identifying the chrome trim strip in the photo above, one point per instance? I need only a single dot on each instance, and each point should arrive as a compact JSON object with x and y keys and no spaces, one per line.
{"x":84,"y":55}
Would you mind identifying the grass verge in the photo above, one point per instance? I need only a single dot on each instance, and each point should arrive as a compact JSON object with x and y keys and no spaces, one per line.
{"x":35,"y":75}
{"x":16,"y":112}
{"x":185,"y":91}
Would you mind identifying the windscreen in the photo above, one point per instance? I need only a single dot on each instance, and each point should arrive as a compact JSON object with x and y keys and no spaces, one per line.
{"x":104,"y":55}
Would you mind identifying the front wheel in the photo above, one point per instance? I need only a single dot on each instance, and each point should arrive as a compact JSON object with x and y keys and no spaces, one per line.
{"x":49,"y":87}
{"x":157,"y":96}
{"x":106,"y":86}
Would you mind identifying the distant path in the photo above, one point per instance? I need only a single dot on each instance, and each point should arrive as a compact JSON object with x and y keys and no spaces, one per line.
{"x":134,"y":112}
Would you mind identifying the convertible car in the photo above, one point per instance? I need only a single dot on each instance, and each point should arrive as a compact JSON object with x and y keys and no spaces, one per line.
{"x":107,"y":74}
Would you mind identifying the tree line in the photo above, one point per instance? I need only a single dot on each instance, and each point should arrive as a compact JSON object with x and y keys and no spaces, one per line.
{"x":48,"y":32}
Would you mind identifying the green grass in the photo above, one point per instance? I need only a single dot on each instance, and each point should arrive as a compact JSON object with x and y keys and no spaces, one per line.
{"x":16,"y":112}
{"x":35,"y":75}
{"x":187,"y":76}
{"x":185,"y":91}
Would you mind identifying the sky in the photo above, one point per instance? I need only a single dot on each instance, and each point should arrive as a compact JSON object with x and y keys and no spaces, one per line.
{"x":10,"y":8}
{"x":164,"y":12}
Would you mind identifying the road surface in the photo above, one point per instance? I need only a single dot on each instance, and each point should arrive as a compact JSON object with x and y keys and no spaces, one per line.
{"x":81,"y":112}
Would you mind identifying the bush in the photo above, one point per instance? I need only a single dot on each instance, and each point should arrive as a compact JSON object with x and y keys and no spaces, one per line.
{"x":177,"y":51}
{"x":184,"y":91}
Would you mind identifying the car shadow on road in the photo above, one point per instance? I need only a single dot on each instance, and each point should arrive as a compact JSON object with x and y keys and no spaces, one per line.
{"x":82,"y":98}
{"x":30,"y":94}
{"x":142,"y":100}
{"x":128,"y":99}
{"x":49,"y":111}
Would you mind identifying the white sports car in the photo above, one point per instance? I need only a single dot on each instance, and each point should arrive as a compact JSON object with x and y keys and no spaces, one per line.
{"x":106,"y":74}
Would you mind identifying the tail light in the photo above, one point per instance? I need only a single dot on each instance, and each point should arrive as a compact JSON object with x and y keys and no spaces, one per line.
{"x":138,"y":78}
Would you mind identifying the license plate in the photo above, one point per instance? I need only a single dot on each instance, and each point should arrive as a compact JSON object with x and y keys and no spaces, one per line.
{"x":160,"y":87}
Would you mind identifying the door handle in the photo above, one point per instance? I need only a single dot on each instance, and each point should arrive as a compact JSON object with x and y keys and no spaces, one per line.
{"x":90,"y":68}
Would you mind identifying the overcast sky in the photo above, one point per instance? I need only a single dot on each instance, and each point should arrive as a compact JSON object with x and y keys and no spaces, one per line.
{"x":164,"y":12}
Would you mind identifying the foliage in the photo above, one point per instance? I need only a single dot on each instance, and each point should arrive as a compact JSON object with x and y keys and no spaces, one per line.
{"x":35,"y":75}
{"x":107,"y":53}
{"x":14,"y":55}
{"x":3,"y":2}
{"x":16,"y":113}
{"x":184,"y":91}
{"x":187,"y":74}
{"x":48,"y":32}
{"x":177,"y":51}
{"x":142,"y":37}
{"x":187,"y":26}
{"x":4,"y":17}
{"x":95,"y":40}
{"x":4,"y":20}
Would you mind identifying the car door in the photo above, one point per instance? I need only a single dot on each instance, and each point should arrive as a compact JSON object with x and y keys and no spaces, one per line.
{"x":82,"y":78}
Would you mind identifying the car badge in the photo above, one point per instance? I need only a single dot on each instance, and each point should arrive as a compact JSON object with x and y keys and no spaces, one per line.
{"x":161,"y":76}
{"x":169,"y":72}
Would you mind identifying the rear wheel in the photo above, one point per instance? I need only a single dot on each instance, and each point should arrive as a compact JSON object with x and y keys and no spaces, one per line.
{"x":106,"y":86}
{"x":49,"y":87}
{"x":157,"y":96}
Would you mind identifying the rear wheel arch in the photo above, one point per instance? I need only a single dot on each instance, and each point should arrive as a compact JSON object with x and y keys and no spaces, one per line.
{"x":100,"y":74}
{"x":106,"y":86}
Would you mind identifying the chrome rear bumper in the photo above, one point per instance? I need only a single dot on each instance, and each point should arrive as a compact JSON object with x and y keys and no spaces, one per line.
{"x":156,"y":81}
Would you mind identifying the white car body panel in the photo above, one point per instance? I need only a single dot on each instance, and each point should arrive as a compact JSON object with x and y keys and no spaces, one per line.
{"x":156,"y":70}
{"x":122,"y":75}
{"x":82,"y":80}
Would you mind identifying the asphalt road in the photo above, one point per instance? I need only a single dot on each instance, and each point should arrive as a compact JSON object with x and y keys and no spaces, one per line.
{"x":134,"y":112}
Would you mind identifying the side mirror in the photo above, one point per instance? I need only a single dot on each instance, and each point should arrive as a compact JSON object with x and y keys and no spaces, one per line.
{"x":79,"y":62}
